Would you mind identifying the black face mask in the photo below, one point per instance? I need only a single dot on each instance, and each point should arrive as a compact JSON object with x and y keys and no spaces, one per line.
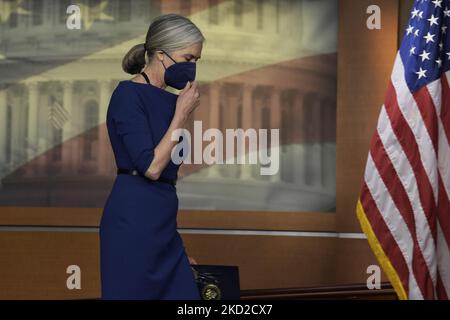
{"x":179,"y":73}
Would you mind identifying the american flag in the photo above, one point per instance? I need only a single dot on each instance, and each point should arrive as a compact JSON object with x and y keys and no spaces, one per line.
{"x":404,"y":206}
{"x":57,"y":114}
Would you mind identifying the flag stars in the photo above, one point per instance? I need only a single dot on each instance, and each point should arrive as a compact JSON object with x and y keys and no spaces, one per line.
{"x":425,"y":55}
{"x":421,"y":73}
{"x":446,"y":12}
{"x":437,"y":3}
{"x":427,"y":46}
{"x":429,"y":37}
{"x":433,"y":20}
{"x":409,"y":30}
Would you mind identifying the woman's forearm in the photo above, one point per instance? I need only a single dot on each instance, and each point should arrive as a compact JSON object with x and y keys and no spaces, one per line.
{"x":187,"y":101}
{"x":163,"y":151}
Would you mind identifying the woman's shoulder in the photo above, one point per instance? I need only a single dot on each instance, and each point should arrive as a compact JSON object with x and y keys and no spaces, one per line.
{"x":140,"y":94}
{"x":123,"y":87}
{"x":145,"y":88}
{"x":125,"y":91}
{"x":139,"y":89}
{"x":124,"y":97}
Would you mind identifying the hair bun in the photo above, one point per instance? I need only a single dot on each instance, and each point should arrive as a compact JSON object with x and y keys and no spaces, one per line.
{"x":134,"y":60}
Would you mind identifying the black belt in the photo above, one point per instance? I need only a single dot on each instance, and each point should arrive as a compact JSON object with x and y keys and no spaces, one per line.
{"x":136,"y":173}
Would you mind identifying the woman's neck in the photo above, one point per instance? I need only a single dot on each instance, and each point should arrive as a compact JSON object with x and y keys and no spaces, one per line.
{"x":153,"y":77}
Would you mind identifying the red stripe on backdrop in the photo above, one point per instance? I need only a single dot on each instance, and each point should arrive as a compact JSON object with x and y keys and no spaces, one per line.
{"x":384,"y":236}
{"x":409,"y":144}
{"x":401,"y":200}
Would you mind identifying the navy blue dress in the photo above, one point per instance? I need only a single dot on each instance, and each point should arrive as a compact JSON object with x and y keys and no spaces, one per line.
{"x":142,"y":255}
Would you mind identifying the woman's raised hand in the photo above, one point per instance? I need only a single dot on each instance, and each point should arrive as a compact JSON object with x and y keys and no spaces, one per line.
{"x":187,"y":101}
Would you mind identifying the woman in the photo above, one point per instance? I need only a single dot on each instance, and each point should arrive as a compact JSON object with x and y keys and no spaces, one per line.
{"x":142,"y":254}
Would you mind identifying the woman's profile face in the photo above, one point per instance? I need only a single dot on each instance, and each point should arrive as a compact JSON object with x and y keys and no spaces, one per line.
{"x":188,"y":54}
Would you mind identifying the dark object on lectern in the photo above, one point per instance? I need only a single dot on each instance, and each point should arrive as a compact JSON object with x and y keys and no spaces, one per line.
{"x":217,"y":282}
